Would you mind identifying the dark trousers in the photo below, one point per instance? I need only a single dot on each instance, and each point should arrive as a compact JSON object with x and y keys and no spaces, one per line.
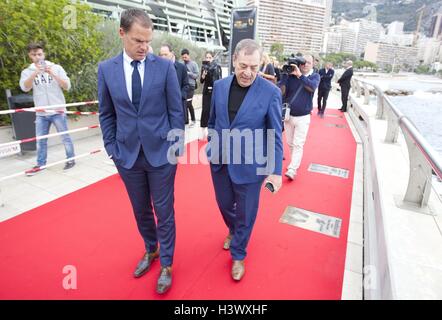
{"x":238,"y":204}
{"x":345,"y":90}
{"x":205,"y":113}
{"x":190,"y":94}
{"x":184,"y":102}
{"x":322,"y":99}
{"x":149,"y":186}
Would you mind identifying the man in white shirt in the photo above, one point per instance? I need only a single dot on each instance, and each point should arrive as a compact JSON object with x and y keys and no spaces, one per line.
{"x":140,"y":104}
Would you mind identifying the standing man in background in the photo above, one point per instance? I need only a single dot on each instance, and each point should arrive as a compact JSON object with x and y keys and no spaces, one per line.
{"x":47,"y":80}
{"x":140,"y":102}
{"x":345,"y":83}
{"x":181,"y":72}
{"x":193,"y":73}
{"x":324,"y":88}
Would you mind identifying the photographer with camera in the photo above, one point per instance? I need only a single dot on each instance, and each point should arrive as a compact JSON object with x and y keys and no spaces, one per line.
{"x":210,"y":72}
{"x":298,"y":87}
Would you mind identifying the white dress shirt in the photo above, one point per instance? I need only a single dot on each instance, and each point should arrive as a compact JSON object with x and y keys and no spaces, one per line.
{"x":128,"y":69}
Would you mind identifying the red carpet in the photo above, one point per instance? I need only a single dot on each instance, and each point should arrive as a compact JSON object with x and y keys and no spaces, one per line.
{"x":94,"y":230}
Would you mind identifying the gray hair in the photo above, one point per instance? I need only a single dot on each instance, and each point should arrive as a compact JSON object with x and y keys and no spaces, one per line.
{"x":349,"y":62}
{"x":249,"y":46}
{"x":132,"y":15}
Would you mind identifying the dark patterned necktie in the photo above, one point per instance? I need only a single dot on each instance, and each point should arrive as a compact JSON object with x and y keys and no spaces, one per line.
{"x":136,"y":84}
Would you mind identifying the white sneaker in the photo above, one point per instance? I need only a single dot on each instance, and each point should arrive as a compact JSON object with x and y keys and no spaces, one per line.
{"x":291,"y":173}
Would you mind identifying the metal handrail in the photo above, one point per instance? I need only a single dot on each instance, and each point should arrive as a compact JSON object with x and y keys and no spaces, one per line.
{"x":420,"y":151}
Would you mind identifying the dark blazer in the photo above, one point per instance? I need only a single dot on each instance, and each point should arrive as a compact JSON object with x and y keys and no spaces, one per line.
{"x":259,"y":112}
{"x":125,"y":129}
{"x":344,"y":80}
{"x":183,"y":79}
{"x":326,"y":77}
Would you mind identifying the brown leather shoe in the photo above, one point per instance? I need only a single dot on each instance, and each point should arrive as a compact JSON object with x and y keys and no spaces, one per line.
{"x":238,"y":269}
{"x":145,"y":263}
{"x":164,"y":280}
{"x":227,"y":241}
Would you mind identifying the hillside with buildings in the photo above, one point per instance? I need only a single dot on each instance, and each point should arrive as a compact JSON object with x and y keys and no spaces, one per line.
{"x":390,"y":45}
{"x":387,"y":11}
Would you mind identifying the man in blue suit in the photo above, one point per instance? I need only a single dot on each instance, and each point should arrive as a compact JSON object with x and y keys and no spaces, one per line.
{"x":325,"y":86}
{"x":139,"y":103}
{"x":245,"y":146}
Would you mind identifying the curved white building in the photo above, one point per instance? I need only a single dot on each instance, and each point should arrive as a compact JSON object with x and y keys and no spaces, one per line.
{"x":205,"y":22}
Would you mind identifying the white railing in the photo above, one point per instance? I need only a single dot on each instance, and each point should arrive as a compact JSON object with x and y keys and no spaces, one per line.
{"x":422,"y":157}
{"x":368,"y":102}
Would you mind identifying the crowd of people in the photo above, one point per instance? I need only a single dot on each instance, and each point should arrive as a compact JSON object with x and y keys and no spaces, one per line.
{"x":144,"y":95}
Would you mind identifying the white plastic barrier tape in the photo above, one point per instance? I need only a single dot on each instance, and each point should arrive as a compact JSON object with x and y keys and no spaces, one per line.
{"x":44,"y":108}
{"x":8,"y":144}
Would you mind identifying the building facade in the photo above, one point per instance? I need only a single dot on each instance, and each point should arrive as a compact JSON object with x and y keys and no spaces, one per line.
{"x":367,"y":31}
{"x":341,"y":38}
{"x":395,"y":35}
{"x":204,"y":22}
{"x":428,"y":50}
{"x":387,"y":55}
{"x":436,"y":26}
{"x":297,"y":24}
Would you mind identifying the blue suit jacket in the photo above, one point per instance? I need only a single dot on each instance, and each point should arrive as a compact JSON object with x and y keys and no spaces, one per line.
{"x":260,"y":109}
{"x":124,"y":128}
{"x":326,"y":78}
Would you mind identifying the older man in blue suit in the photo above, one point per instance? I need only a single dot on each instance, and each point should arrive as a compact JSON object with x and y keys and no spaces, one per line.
{"x":139,"y":104}
{"x":245,"y":147}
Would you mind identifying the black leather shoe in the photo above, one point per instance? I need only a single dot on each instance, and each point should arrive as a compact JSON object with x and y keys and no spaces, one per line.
{"x":164,"y":280}
{"x":145,"y":263}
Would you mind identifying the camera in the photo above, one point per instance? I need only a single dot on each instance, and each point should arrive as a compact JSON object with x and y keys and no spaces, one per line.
{"x":211,"y":68}
{"x":206,"y":66}
{"x":42,"y":63}
{"x":298,"y":61}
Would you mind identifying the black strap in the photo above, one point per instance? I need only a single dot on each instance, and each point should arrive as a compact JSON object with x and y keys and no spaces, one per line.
{"x":296,"y":95}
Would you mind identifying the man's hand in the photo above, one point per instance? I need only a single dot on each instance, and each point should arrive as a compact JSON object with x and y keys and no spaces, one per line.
{"x":296,"y":72}
{"x":276,"y":181}
{"x":60,"y":81}
{"x":49,"y":70}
